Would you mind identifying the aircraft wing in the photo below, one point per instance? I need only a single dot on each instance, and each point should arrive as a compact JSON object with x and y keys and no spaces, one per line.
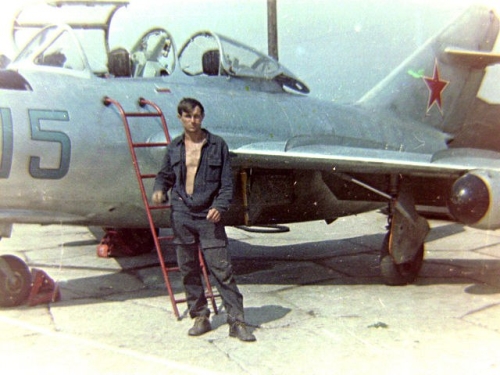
{"x":447,"y":163}
{"x":470,"y":177}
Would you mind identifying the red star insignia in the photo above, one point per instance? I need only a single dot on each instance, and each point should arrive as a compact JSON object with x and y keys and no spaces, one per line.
{"x":436,"y":86}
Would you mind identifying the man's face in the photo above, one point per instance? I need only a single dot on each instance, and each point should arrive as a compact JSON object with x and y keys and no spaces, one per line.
{"x":191,"y":122}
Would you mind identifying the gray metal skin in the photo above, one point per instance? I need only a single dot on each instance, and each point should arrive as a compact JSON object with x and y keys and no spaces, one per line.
{"x":303,"y":158}
{"x":100,"y":187}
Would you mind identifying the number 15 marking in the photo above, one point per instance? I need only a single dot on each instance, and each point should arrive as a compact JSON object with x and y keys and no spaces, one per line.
{"x":37,"y":134}
{"x":6,"y":137}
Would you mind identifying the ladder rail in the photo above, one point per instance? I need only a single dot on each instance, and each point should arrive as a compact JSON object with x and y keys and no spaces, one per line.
{"x":143,"y":102}
{"x":124,"y":115}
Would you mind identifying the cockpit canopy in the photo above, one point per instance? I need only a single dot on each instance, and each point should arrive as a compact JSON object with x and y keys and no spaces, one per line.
{"x":79,"y":45}
{"x":55,"y":47}
{"x":70,"y":29}
{"x":213,"y":54}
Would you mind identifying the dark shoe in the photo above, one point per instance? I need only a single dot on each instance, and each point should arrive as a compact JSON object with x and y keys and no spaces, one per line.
{"x":240,"y":330}
{"x":201,"y":326}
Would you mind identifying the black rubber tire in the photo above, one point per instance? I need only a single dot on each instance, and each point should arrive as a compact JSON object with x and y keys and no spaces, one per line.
{"x":399,"y":274}
{"x":15,"y":292}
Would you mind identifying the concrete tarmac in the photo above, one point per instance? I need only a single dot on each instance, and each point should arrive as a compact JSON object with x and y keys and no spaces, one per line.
{"x":313,"y":297}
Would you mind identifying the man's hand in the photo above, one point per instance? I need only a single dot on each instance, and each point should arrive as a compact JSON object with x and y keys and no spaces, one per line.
{"x":159,"y":197}
{"x":213,"y":215}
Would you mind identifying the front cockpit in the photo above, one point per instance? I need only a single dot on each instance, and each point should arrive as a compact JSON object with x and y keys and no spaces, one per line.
{"x":55,"y":46}
{"x":79,"y":45}
{"x":65,"y":37}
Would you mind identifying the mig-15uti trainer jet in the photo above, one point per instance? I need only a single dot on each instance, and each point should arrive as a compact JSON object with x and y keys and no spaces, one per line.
{"x":421,"y":137}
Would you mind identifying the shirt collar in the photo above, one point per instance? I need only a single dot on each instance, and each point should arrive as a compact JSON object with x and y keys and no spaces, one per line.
{"x":207,"y":134}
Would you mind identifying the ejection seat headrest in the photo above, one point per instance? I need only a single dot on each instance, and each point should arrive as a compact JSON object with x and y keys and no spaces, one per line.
{"x":119,"y":63}
{"x":211,"y":62}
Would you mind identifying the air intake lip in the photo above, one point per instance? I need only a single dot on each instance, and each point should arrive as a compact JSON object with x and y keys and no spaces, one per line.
{"x":11,"y":80}
{"x":470,"y":199}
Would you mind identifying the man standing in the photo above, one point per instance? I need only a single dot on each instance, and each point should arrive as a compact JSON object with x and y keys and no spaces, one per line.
{"x":197,"y":168}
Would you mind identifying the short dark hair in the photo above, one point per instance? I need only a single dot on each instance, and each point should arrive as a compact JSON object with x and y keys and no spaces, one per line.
{"x":188,"y":105}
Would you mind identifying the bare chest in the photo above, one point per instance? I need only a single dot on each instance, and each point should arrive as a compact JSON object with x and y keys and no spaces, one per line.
{"x":193,"y":154}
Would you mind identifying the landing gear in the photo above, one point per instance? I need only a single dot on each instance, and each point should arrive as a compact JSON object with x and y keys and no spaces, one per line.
{"x":402,"y":252}
{"x":399,"y":274}
{"x":15,"y":281}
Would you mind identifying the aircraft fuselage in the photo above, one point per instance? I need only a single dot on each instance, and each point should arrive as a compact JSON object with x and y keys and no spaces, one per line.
{"x":65,"y":153}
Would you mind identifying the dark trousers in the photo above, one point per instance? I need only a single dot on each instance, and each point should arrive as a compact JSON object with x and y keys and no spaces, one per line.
{"x":190,"y":231}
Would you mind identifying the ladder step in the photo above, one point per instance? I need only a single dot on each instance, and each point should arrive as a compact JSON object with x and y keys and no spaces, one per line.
{"x":165,"y":238}
{"x":148,"y":175}
{"x":165,"y":207}
{"x":142,"y":114}
{"x":156,"y":144}
{"x":208,"y":295}
{"x":180,"y":300}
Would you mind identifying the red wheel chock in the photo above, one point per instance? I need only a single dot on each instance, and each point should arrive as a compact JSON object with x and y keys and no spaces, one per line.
{"x":43,"y":289}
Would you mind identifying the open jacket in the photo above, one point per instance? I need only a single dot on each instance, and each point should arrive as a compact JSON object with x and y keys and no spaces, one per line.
{"x":213,"y":184}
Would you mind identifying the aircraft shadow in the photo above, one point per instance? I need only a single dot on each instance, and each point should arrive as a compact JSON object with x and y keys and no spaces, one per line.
{"x":355,"y":261}
{"x":350,"y":261}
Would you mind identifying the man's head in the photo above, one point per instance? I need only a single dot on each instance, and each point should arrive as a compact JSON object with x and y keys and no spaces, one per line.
{"x":188,"y":105}
{"x":191,"y":113}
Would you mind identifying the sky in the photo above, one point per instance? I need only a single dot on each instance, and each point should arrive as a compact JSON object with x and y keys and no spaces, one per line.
{"x":339,"y":48}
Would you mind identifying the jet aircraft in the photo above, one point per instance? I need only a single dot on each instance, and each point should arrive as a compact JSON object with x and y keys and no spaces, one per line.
{"x":421,"y":137}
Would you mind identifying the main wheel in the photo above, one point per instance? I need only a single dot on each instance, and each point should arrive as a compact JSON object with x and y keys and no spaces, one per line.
{"x":14,"y":290}
{"x":399,"y":274}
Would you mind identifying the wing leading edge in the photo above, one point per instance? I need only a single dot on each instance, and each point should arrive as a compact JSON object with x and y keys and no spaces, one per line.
{"x":447,"y":163}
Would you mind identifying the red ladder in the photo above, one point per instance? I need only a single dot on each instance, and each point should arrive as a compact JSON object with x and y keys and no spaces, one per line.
{"x":140,"y":178}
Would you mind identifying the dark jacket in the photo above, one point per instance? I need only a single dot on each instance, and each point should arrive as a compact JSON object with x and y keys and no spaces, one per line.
{"x":213,"y":184}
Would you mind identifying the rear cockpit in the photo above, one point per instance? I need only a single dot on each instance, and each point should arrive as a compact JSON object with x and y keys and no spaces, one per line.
{"x":78,"y":44}
{"x":211,"y":54}
{"x":153,"y":55}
